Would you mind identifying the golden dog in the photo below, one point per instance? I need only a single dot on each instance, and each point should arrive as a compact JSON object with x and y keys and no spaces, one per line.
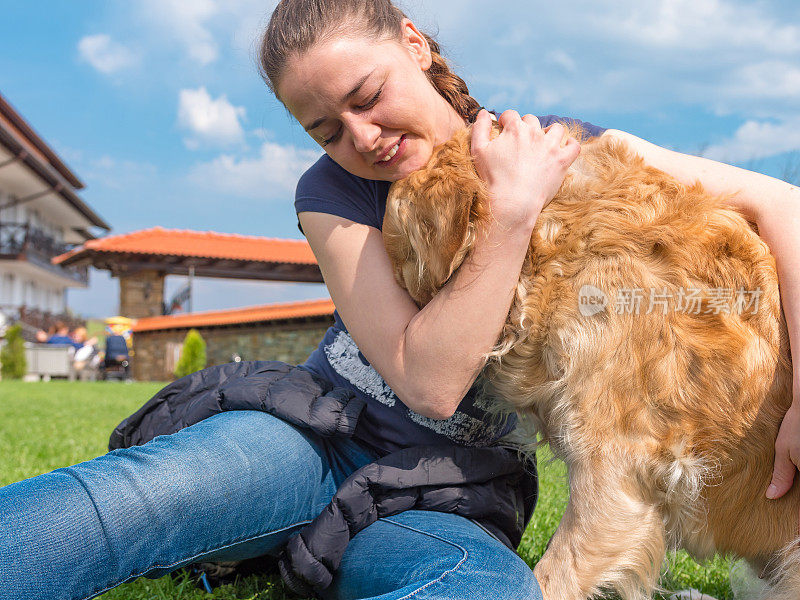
{"x":665,"y":411}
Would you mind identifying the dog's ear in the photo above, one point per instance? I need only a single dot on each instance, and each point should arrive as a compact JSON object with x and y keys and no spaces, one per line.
{"x":431,"y":219}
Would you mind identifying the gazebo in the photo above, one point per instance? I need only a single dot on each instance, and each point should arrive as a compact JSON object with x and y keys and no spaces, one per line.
{"x":142,"y":259}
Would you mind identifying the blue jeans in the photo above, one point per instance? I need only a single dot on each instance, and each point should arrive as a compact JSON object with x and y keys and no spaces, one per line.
{"x":231,"y":487}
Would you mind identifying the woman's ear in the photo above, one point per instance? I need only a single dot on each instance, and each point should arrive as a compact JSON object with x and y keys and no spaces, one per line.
{"x":416,"y":44}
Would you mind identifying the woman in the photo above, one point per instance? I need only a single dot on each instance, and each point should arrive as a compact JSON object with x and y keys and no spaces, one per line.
{"x":377,"y":96}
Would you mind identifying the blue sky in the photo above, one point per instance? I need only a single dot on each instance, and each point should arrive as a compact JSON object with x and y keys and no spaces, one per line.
{"x":157,"y":104}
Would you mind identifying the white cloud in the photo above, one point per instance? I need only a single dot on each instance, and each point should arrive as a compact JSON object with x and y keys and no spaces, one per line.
{"x":561,"y":59}
{"x":779,"y":80}
{"x":270,"y":175}
{"x":209,"y":121}
{"x":104,"y":54}
{"x":699,"y":24}
{"x":187,"y":23}
{"x":756,"y":140}
{"x":729,"y":56}
{"x":205,"y":28}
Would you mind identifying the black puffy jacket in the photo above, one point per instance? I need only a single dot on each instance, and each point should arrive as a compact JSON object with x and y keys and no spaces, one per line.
{"x":490,"y":485}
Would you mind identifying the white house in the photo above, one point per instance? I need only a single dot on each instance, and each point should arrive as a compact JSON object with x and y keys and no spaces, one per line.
{"x":41,"y":216}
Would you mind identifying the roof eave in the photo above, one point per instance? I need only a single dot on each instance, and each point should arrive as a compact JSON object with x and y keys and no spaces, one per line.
{"x":36,"y":140}
{"x":53,"y":178}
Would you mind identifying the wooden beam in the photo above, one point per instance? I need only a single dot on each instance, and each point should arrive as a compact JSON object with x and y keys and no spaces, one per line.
{"x":266,"y":272}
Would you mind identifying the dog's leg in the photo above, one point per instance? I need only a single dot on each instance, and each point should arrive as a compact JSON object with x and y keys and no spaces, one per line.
{"x":609,"y":537}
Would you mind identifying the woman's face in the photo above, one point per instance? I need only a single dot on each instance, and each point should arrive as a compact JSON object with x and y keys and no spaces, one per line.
{"x":369,"y":103}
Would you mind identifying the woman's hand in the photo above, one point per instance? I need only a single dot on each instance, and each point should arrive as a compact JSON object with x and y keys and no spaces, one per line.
{"x":523,"y":166}
{"x":787,"y":450}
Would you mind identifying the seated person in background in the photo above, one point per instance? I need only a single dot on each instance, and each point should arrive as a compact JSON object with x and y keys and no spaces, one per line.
{"x":117,"y":358}
{"x":87,"y":354}
{"x":80,"y":338}
{"x":61,"y":336}
{"x":42,"y":336}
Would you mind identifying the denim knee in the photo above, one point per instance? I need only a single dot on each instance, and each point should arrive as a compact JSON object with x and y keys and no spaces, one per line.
{"x":421,"y":555}
{"x":232,"y":466}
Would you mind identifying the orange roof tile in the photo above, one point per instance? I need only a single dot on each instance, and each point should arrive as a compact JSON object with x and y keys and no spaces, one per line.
{"x":249,"y":314}
{"x":202,"y":244}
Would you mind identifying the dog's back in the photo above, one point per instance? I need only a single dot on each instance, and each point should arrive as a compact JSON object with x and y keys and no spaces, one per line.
{"x":686,"y":370}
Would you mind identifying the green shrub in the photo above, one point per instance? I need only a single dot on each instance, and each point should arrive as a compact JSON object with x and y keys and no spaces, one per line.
{"x":193,"y":354}
{"x":12,"y":357}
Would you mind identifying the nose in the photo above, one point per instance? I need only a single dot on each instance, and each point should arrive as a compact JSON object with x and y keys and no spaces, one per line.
{"x":365,"y":134}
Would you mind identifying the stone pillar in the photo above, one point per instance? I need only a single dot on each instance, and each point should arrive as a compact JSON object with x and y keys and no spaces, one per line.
{"x":141,"y":294}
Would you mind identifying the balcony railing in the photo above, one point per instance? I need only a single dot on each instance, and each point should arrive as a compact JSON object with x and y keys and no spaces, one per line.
{"x":24,"y":240}
{"x":34,"y":319}
{"x":39,"y":319}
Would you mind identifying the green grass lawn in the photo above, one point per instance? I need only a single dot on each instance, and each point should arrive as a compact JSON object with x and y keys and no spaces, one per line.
{"x":44,"y":426}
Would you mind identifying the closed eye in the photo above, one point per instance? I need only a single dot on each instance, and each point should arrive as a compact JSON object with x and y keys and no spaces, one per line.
{"x":372,"y":102}
{"x":332,"y":139}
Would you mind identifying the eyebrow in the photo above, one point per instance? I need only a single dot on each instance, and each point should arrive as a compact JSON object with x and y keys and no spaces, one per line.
{"x":350,"y":94}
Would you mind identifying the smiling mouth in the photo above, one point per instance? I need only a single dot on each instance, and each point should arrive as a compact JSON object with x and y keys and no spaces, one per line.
{"x":393,"y":151}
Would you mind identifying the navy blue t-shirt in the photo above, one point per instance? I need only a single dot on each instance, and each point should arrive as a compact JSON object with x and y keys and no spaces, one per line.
{"x":386,"y":423}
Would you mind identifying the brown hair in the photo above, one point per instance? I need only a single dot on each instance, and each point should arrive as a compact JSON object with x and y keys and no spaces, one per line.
{"x":296,"y":25}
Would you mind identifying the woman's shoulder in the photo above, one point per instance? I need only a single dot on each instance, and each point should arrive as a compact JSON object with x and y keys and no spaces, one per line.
{"x":547,"y":120}
{"x":590,"y":129}
{"x":327,"y":187}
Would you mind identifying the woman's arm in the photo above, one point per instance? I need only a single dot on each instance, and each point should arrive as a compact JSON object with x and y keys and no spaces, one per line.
{"x":430,"y":357}
{"x":774,"y":206}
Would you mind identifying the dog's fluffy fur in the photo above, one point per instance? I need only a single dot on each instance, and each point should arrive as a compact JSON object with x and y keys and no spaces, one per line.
{"x":667,"y":422}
